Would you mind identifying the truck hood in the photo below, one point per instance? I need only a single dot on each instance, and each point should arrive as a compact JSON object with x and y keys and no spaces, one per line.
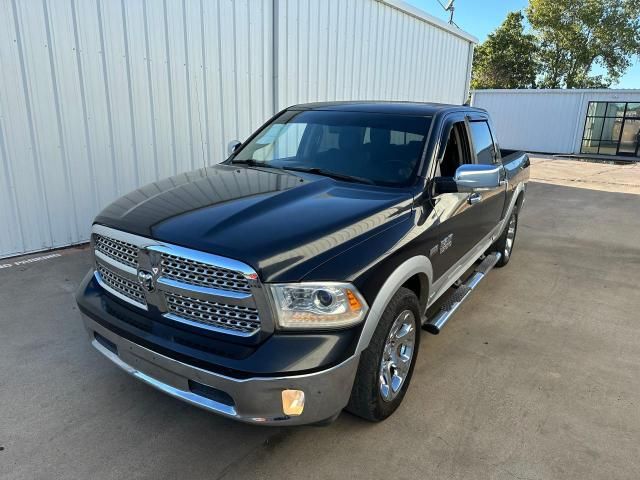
{"x":283,"y":224}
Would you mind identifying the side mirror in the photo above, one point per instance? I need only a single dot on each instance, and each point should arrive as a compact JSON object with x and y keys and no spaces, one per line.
{"x":472,"y":178}
{"x":233,"y":146}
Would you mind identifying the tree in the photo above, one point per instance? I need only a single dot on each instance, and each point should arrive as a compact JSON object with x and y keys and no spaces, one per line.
{"x":507,"y":59}
{"x":577,"y":35}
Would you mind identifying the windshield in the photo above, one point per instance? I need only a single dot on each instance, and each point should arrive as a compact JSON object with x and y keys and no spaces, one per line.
{"x":368,"y":147}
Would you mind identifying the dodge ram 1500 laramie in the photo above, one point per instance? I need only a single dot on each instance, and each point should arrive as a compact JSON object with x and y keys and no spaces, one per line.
{"x":292,"y":280}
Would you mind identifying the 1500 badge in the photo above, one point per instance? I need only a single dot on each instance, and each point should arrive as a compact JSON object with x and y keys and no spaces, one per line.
{"x":442,"y":247}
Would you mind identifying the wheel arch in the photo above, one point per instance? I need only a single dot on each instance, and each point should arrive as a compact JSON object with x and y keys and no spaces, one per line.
{"x":419,"y":284}
{"x":517,"y":199}
{"x":520,"y":200}
{"x":415,"y":273}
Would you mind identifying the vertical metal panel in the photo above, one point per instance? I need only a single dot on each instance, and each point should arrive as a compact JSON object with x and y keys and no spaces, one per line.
{"x":550,"y":121}
{"x":364,"y":49}
{"x":98,"y":97}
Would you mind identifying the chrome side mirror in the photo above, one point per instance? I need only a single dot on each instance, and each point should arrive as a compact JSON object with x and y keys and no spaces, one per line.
{"x":233,"y":146}
{"x":472,"y":178}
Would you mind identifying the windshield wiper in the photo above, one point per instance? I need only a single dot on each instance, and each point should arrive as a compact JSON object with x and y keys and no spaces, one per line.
{"x":252,"y":163}
{"x":329,"y":173}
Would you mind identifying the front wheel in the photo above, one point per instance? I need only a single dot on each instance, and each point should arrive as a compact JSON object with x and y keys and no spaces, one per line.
{"x":504,"y":244}
{"x":386,"y":365}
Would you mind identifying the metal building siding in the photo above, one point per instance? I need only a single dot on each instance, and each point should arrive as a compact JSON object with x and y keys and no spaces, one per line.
{"x":364,"y":49}
{"x":99,"y":97}
{"x":550,"y":121}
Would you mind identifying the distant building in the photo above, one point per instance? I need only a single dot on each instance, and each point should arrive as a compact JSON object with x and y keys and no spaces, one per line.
{"x":598,"y":122}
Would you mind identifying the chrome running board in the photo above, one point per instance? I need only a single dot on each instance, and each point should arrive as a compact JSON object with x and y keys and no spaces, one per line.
{"x":461,"y":294}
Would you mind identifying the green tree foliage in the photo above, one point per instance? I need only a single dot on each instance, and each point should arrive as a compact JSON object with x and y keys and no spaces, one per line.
{"x":507,"y":58}
{"x":576,"y":35}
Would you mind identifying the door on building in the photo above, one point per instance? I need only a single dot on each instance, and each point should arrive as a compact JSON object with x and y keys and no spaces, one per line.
{"x":630,"y":138}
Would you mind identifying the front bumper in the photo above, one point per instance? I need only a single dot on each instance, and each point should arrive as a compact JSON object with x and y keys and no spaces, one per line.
{"x":252,"y":400}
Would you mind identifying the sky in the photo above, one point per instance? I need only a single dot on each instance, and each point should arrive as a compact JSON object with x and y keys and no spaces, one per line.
{"x":481,"y":17}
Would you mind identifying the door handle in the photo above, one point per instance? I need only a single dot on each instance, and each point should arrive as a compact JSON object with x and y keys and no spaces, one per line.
{"x":474,"y":198}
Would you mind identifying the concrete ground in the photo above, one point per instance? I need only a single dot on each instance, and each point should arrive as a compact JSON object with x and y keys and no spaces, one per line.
{"x":536,"y":377}
{"x":606,"y":177}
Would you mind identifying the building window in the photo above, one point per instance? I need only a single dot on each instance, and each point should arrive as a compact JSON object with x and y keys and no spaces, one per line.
{"x":612,"y":128}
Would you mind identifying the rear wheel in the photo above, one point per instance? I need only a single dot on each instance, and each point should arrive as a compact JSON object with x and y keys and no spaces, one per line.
{"x":504,"y":244}
{"x":386,"y":365}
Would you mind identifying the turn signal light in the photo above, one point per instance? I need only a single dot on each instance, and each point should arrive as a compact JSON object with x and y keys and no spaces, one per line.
{"x":292,"y":402}
{"x":354,"y":303}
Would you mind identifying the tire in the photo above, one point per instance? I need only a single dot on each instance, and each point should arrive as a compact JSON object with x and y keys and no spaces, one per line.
{"x":505,"y":243}
{"x":367,"y":398}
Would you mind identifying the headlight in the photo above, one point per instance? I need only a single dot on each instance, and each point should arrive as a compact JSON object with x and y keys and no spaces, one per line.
{"x":321,"y":305}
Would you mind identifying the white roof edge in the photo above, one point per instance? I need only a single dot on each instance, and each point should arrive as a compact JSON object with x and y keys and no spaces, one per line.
{"x":565,"y":91}
{"x":424,"y":16}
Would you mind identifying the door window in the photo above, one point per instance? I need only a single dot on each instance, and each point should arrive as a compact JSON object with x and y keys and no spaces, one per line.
{"x":482,"y":142}
{"x":453,"y":155}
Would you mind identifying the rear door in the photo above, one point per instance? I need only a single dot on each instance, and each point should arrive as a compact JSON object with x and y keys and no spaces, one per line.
{"x":488,"y":205}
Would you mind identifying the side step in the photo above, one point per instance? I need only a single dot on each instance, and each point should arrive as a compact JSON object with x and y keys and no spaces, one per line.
{"x":461,"y":294}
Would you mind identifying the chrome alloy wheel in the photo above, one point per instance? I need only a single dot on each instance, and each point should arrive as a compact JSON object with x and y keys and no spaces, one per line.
{"x":397,"y":355}
{"x":511,"y":236}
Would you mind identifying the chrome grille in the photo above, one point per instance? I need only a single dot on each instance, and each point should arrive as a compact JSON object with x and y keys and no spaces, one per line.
{"x":187,"y":286}
{"x":119,"y":251}
{"x":121,"y":285}
{"x":229,"y":317}
{"x":202,"y":274}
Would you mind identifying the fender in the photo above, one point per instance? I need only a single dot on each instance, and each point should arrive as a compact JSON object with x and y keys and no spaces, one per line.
{"x":406,"y":270}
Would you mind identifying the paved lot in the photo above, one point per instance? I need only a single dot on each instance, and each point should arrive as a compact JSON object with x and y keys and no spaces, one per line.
{"x":606,"y":177}
{"x":538,"y":376}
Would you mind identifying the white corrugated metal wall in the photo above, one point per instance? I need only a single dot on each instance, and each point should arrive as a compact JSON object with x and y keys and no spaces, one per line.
{"x":364,"y":49}
{"x":550,"y":121}
{"x":98,"y":97}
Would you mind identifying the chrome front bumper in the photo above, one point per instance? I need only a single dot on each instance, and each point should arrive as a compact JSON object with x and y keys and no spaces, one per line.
{"x":254,"y":400}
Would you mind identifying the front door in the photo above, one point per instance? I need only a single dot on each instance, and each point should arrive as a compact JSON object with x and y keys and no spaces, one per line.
{"x":446,"y":235}
{"x":630,"y":138}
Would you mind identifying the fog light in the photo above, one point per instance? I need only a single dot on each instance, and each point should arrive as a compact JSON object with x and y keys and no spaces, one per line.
{"x":292,"y":402}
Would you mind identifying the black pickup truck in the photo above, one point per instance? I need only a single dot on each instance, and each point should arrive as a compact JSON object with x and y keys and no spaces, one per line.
{"x":293,"y":280}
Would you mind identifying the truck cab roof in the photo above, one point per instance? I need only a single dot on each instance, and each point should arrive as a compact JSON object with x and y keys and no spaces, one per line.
{"x":397,"y":108}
